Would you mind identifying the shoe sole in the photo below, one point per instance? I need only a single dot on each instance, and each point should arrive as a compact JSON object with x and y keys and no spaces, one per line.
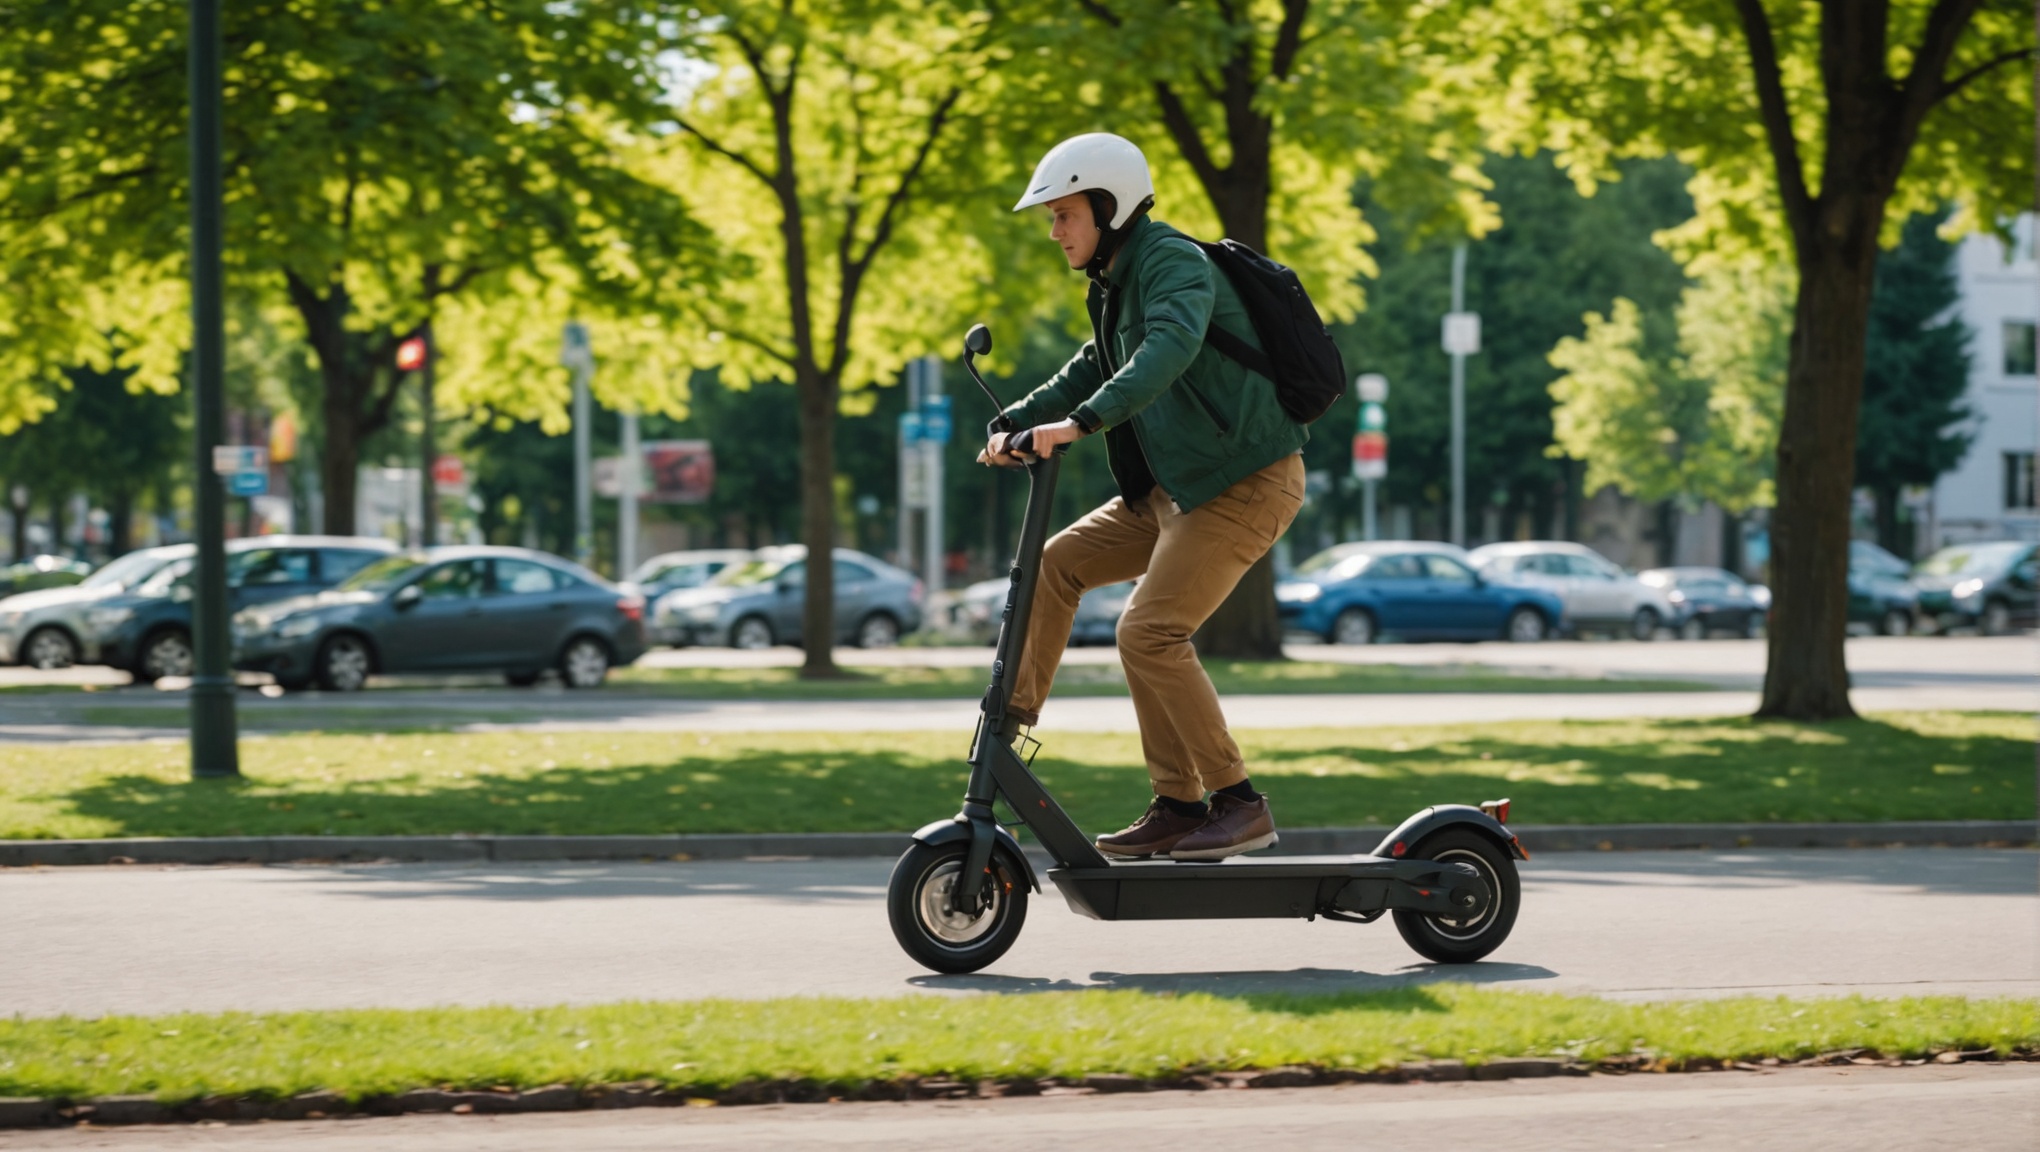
{"x":1124,"y":854}
{"x":1269,"y":840}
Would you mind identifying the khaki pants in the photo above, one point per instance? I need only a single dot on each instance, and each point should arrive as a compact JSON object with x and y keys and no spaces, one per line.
{"x":1191,"y":560}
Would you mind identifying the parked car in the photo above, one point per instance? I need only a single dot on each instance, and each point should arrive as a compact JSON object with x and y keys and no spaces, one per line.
{"x":1882,"y":595}
{"x":1598,"y":596}
{"x":1098,"y":611}
{"x":1358,"y":593}
{"x":47,"y":629}
{"x":1988,"y":587}
{"x":1710,"y":601}
{"x":147,"y":631}
{"x":758,"y":603}
{"x":449,"y":609}
{"x":672,"y":571}
{"x":39,"y":572}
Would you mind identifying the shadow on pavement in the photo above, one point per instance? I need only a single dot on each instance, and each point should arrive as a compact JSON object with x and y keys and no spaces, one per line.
{"x":1248,"y":984}
{"x":1950,"y":871}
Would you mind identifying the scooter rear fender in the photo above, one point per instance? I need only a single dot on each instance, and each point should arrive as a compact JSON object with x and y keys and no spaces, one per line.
{"x":1399,"y":843}
{"x":956,"y":829}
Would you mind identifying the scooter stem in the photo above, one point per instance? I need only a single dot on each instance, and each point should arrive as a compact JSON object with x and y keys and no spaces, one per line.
{"x":1026,"y":572}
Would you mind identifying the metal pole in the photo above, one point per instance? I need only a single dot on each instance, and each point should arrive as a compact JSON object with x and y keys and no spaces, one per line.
{"x":1368,"y":530}
{"x":627,"y":498}
{"x":584,"y":515}
{"x":1459,"y":405}
{"x":214,"y":747}
{"x":931,"y":537}
{"x":428,"y":449}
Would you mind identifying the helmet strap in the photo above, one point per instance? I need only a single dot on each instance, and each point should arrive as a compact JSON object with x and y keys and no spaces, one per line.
{"x":1110,"y":239}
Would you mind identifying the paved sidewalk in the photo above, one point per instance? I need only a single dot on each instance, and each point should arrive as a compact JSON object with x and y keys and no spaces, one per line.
{"x":1644,"y":925}
{"x":1979,"y":1107}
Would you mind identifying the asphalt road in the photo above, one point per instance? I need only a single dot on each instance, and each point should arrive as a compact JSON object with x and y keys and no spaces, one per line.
{"x":1630,"y":925}
{"x":1987,"y":1108}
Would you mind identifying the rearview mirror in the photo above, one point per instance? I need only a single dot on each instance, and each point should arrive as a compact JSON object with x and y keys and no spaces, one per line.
{"x":407,"y":597}
{"x":978,"y":341}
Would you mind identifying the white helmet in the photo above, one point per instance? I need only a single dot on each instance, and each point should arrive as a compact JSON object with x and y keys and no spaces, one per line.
{"x":1095,"y":161}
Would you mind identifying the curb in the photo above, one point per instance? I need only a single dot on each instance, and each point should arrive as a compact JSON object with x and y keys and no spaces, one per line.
{"x":45,"y":1112}
{"x":750,"y":846}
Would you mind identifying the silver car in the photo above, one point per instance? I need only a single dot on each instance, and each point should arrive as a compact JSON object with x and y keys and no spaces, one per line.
{"x":672,"y":571}
{"x":1598,"y":596}
{"x":1097,"y":621}
{"x":758,"y":604}
{"x":48,"y":629}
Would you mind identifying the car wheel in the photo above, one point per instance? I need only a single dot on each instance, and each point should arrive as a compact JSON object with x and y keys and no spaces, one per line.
{"x":1895,"y":623}
{"x":1644,"y":625}
{"x":752,"y":632}
{"x":585,"y":663}
{"x":1354,"y":626}
{"x":1694,"y":629}
{"x":1526,"y":626}
{"x":878,"y":631}
{"x":344,"y":664}
{"x":167,"y":653}
{"x":1995,"y":621}
{"x":49,"y":649}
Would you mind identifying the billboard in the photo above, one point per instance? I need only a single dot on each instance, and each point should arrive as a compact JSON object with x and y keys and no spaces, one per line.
{"x":680,"y":471}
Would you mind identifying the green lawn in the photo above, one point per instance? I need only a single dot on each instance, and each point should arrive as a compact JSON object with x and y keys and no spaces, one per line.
{"x":1231,"y":677}
{"x":1916,"y":766}
{"x":711,"y":1045}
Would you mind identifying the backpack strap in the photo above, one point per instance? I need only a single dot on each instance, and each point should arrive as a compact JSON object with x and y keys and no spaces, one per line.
{"x":1239,"y":351}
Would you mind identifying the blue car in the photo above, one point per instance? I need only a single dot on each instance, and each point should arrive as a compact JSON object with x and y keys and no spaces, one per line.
{"x":147,"y":630}
{"x":1411,"y":590}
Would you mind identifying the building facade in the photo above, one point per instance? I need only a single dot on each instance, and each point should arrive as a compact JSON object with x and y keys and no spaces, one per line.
{"x":1990,"y":495}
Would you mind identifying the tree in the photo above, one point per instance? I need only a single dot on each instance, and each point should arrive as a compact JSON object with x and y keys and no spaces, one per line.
{"x":1813,"y":130}
{"x":1275,"y":111}
{"x":820,"y":138}
{"x":382,"y":161}
{"x":1916,"y":369}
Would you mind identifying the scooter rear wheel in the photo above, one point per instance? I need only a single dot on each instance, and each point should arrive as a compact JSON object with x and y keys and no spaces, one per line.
{"x":940,"y":937}
{"x":1450,"y":940}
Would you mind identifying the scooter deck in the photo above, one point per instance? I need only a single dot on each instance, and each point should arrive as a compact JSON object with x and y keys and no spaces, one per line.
{"x":1283,"y":887}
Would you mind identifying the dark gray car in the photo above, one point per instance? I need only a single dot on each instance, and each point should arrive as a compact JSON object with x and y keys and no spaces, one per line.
{"x":458,"y":609}
{"x":758,"y":604}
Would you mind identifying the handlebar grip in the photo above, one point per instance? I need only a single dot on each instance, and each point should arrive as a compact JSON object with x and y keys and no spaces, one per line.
{"x":1021,"y":441}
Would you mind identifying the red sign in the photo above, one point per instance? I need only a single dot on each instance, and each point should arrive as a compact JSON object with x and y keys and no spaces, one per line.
{"x":1370,"y":446}
{"x":411,"y":354}
{"x":449,"y":473}
{"x":682,"y":471}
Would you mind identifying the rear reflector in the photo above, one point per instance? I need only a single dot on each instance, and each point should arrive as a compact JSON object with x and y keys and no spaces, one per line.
{"x":1499,"y":809}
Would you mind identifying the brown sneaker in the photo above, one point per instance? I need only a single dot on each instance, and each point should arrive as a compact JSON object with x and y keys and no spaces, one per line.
{"x":1153,"y":834}
{"x":1234,"y":826}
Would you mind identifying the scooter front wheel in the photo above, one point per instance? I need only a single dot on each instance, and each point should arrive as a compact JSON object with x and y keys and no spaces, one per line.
{"x":941,"y":936}
{"x":1463,"y":940}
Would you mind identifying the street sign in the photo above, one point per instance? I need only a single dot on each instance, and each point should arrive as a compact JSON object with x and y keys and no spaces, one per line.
{"x":1461,"y":336}
{"x":575,"y":351}
{"x":449,"y":475}
{"x":230,"y":458}
{"x":1370,"y":455}
{"x":910,"y":427}
{"x":935,"y":422}
{"x":1373,"y":417}
{"x":411,"y":354}
{"x":1372,"y":386}
{"x":248,"y":482}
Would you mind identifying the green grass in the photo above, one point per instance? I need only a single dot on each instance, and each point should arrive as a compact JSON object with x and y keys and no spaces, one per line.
{"x":1231,"y":677}
{"x":1913,"y":766}
{"x":714,"y":1044}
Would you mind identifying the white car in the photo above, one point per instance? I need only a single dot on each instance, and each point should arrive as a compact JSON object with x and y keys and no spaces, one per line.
{"x":1599,"y":597}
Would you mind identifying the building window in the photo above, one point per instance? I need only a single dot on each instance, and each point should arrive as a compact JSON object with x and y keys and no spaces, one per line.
{"x":2019,"y":347}
{"x":2018,"y":481}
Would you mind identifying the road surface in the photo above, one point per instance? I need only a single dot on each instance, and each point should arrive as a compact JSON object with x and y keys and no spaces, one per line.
{"x":1976,"y":1107}
{"x":1637,"y":925}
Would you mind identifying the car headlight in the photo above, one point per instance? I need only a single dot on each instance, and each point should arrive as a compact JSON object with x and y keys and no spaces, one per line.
{"x":10,"y":619}
{"x":294,"y":627}
{"x":1298,"y":593}
{"x":704,"y":613}
{"x":1966,"y":590}
{"x":104,"y":618}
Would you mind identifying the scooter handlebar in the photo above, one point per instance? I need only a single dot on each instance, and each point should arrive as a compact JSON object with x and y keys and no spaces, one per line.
{"x":1023,"y":441}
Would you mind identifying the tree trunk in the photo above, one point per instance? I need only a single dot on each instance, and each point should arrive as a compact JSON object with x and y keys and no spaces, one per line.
{"x":1886,"y":498}
{"x":120,"y":516}
{"x":340,"y":458}
{"x":20,"y":521}
{"x":1806,"y":677}
{"x":57,"y":523}
{"x":818,"y":522}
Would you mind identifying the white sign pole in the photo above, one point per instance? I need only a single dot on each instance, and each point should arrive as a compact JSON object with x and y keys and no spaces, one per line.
{"x":931,"y":536}
{"x":629,"y":470}
{"x":578,"y":356}
{"x":1461,"y":338}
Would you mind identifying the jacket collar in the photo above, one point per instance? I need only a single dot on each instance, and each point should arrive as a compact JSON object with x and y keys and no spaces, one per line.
{"x":1137,"y":241}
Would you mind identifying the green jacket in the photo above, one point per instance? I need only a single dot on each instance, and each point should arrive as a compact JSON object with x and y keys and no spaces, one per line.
{"x":1202,"y":421}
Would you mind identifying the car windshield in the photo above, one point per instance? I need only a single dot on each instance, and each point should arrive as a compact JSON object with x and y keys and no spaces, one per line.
{"x":1323,"y":560}
{"x":1972,"y":560}
{"x":175,"y":574}
{"x":385,"y":573}
{"x":127,"y":571}
{"x":749,"y":572}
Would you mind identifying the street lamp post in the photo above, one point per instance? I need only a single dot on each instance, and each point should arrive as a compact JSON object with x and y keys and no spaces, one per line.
{"x":214,"y":747}
{"x":576,"y":354}
{"x":1461,"y":338}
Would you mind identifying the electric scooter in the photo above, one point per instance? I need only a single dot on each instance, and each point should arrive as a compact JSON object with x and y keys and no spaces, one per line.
{"x":958,"y":896}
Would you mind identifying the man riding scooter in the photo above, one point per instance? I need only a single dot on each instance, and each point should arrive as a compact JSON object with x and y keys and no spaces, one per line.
{"x":1209,"y":471}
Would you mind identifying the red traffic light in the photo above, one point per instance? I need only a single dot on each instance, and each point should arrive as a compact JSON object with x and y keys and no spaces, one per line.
{"x":411,"y":354}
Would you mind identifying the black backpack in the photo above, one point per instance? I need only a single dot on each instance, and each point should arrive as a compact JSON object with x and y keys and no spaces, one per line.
{"x":1299,"y":356}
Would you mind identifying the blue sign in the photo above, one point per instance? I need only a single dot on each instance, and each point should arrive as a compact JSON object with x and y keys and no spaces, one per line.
{"x":910,"y":427}
{"x":248,"y":482}
{"x":935,"y":422}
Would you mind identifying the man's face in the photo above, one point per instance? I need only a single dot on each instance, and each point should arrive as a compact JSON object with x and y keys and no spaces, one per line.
{"x":1072,"y":227}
